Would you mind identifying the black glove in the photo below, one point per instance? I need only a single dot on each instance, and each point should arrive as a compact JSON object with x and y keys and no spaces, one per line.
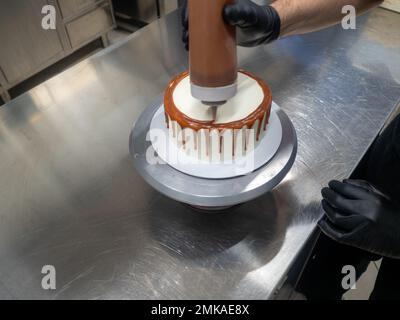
{"x":361,"y":216}
{"x":185,"y":24}
{"x":255,"y":24}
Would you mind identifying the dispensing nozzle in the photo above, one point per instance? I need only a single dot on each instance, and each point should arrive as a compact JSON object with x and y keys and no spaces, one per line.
{"x":214,"y":107}
{"x":212,"y":50}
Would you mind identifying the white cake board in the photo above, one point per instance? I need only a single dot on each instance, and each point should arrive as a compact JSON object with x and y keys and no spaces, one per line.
{"x":263,"y":152}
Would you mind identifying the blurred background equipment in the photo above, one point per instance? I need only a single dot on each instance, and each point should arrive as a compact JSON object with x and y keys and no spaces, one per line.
{"x":133,"y":14}
{"x":29,"y":54}
{"x":393,"y":5}
{"x":26,"y":48}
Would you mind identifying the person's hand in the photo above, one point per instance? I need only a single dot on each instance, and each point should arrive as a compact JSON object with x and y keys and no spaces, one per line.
{"x":255,"y":24}
{"x":359,"y":215}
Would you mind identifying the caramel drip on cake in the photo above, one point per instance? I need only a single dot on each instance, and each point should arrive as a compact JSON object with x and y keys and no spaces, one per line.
{"x":234,"y":135}
{"x":186,"y":122}
{"x":208,"y":142}
{"x":167,"y":119}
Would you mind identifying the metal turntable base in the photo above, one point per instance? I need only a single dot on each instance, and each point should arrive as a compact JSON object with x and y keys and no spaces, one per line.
{"x":210,"y":193}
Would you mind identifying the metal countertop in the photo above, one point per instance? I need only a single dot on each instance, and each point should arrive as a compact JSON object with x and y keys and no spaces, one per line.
{"x":70,"y":196}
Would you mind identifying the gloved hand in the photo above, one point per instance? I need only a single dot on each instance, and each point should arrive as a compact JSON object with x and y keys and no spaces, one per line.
{"x":255,"y":24}
{"x":359,"y":215}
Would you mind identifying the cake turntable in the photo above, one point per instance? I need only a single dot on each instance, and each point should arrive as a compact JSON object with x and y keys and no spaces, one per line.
{"x":215,"y":138}
{"x":210,"y":193}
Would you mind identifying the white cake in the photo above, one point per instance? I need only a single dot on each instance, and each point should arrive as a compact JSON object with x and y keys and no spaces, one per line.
{"x":238,"y":125}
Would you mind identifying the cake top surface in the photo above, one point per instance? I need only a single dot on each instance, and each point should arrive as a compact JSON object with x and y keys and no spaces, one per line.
{"x":248,"y":98}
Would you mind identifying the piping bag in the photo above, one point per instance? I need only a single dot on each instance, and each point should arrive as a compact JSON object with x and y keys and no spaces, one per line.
{"x":212,"y":54}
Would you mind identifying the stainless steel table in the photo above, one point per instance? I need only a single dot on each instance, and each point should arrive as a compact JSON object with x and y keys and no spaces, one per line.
{"x":70,"y":197}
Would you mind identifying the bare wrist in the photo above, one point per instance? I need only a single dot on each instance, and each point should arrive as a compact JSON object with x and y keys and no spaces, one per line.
{"x":282,"y":11}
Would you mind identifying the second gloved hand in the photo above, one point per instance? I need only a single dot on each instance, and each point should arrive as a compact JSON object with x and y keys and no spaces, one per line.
{"x":359,"y":215}
{"x":255,"y":24}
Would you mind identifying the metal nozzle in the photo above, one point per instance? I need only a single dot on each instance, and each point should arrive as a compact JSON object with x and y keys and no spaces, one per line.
{"x":214,"y":107}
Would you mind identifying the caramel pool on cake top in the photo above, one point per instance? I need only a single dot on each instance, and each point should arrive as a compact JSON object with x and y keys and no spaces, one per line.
{"x":251,"y":103}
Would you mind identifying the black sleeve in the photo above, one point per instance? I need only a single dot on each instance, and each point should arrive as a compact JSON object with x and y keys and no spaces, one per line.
{"x":382,"y":164}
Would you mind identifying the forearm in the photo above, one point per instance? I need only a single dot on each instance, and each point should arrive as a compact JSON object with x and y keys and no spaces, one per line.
{"x":302,"y":16}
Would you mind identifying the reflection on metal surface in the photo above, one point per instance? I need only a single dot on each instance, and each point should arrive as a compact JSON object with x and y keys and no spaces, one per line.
{"x":71,"y":198}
